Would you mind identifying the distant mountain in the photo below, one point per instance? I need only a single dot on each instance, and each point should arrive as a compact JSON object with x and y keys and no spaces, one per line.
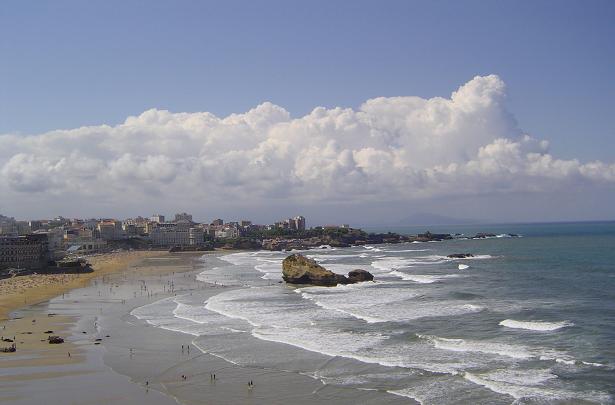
{"x":424,"y":218}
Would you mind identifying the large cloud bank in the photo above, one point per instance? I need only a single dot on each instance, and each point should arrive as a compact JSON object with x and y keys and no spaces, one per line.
{"x":389,"y":149}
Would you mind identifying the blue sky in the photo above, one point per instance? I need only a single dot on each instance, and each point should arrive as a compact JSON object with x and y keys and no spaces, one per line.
{"x":544,"y":68}
{"x":72,"y":63}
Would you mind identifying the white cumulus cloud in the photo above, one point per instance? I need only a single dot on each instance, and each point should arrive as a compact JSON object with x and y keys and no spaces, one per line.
{"x":389,"y":149}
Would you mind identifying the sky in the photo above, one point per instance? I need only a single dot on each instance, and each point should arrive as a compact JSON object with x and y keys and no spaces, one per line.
{"x":360,"y":112}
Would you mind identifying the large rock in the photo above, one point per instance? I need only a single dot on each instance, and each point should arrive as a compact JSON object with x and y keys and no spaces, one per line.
{"x":298,"y":269}
{"x":358,"y":275}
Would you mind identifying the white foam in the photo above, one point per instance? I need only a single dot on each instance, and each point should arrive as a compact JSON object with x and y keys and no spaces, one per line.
{"x":540,"y":326}
{"x":160,"y":314}
{"x":307,"y":325}
{"x":501,"y":349}
{"x":463,"y":266}
{"x":568,"y":361}
{"x":238,"y":258}
{"x":494,"y":382}
{"x":386,"y":264}
{"x":270,"y":268}
{"x":366,"y":318}
{"x":365,"y":301}
{"x":329,"y":257}
{"x":190,"y":313}
{"x":421,"y":278}
{"x":441,"y":389}
{"x":407,"y":250}
{"x":372,"y":303}
{"x":461,"y":345}
{"x":522,"y":376}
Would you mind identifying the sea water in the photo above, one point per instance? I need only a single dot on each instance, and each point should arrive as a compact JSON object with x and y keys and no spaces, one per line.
{"x":528,"y":319}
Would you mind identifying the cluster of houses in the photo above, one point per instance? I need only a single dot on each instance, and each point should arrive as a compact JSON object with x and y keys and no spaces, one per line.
{"x":32,"y":244}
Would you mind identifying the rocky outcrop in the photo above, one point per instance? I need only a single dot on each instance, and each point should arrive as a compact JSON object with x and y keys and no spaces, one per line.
{"x":483,"y":235}
{"x":429,"y":237}
{"x":460,"y":255}
{"x":298,"y":269}
{"x":359,"y":275}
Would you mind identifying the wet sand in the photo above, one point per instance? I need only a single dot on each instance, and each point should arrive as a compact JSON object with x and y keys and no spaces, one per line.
{"x":30,"y":335}
{"x":20,"y":291}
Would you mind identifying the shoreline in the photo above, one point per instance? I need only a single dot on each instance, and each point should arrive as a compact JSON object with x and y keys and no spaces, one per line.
{"x":21,"y":291}
{"x":142,"y":362}
{"x":81,"y":355}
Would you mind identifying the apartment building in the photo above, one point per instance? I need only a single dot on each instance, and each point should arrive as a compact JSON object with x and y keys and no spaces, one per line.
{"x":27,"y":251}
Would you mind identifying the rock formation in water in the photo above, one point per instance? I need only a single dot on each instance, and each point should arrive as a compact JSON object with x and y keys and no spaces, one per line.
{"x":359,"y":275}
{"x":460,"y":255}
{"x":298,"y":269}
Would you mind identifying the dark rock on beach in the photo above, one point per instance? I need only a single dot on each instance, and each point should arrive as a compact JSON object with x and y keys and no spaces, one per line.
{"x":298,"y":269}
{"x":55,"y":340}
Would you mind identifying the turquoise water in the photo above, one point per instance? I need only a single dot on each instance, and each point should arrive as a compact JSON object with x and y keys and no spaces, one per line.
{"x":528,"y":320}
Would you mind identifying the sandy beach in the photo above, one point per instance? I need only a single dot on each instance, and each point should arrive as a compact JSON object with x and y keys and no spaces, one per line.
{"x":30,"y":327}
{"x":111,"y":348}
{"x":32,"y":289}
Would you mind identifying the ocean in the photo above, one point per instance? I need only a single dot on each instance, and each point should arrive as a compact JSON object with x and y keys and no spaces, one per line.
{"x":529,"y":319}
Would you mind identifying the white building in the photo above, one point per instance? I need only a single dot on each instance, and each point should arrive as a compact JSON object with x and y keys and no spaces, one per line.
{"x":110,"y":230}
{"x":170,"y":235}
{"x":196,"y":236}
{"x":157,"y":218}
{"x":227,"y":232}
{"x":85,"y":247}
{"x":55,"y":240}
